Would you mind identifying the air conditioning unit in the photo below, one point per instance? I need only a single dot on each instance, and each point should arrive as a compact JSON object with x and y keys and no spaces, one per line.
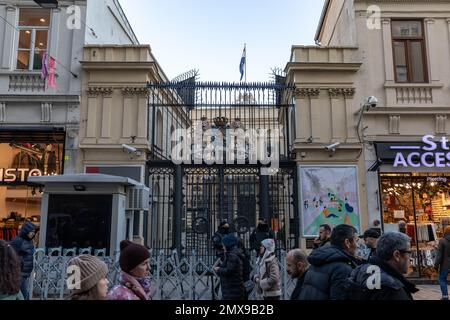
{"x":138,"y":198}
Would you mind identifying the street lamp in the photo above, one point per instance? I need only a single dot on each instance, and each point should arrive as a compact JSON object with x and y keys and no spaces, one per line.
{"x":47,"y":4}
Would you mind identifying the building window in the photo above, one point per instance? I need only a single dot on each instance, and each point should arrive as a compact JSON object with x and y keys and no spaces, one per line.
{"x":408,"y":43}
{"x":33,"y":38}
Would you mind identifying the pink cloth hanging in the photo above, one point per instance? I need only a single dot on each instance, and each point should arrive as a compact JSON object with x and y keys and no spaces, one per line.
{"x":51,"y":74}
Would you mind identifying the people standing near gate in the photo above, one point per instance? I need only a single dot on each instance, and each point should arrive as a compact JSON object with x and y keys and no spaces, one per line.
{"x":297,"y":266}
{"x":331,"y":266}
{"x":10,"y":277}
{"x":23,"y":244}
{"x":134,"y":279}
{"x":262,"y":232}
{"x":222,"y":231}
{"x":92,"y":283}
{"x":391,"y":262}
{"x":231,"y":271}
{"x":324,"y":237}
{"x":267,"y":274}
{"x":442,"y":263}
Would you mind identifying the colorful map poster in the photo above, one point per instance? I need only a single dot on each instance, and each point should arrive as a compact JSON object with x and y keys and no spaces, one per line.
{"x":328,"y":195}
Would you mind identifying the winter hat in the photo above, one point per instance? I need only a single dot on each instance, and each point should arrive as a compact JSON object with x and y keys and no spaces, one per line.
{"x":229,"y":241}
{"x":269,"y":244}
{"x":92,"y":270}
{"x":27,"y":228}
{"x":371,"y":233}
{"x":132,"y":255}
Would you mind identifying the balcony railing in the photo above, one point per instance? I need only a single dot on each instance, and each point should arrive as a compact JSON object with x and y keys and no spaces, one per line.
{"x":407,"y":95}
{"x":26,"y":82}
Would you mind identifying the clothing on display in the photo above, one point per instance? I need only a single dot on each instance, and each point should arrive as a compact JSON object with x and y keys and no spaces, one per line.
{"x":426,"y":232}
{"x":8,"y":234}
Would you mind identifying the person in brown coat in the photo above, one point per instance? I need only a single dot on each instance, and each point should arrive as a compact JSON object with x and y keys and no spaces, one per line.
{"x":267,"y":276}
{"x":442,"y":263}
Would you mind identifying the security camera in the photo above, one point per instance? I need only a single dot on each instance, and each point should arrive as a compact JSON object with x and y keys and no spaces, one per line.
{"x":333,"y":147}
{"x":371,"y":102}
{"x":129,"y":149}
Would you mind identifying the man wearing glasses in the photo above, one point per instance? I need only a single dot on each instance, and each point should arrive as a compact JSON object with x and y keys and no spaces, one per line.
{"x":383,"y":277}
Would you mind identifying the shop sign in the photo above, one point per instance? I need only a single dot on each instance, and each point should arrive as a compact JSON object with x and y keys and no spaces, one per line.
{"x":18,"y":175}
{"x":431,"y":154}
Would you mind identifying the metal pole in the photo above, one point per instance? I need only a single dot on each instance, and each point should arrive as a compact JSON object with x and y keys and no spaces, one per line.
{"x":264,"y":197}
{"x":178,"y":208}
{"x":245,"y":48}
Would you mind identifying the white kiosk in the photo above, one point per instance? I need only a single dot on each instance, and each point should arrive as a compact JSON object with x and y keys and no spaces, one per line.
{"x":89,"y":210}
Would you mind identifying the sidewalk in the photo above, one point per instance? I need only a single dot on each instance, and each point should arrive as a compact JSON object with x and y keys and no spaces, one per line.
{"x":428,"y":292}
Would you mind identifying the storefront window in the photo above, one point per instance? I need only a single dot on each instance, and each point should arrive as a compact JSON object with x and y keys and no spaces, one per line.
{"x":20,"y":201}
{"x":418,"y":205}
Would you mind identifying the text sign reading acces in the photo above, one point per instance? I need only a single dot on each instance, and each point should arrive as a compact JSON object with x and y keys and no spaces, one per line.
{"x":426,"y":155}
{"x":18,"y":175}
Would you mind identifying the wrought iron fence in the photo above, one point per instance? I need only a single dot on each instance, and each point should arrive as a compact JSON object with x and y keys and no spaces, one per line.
{"x":173,"y":277}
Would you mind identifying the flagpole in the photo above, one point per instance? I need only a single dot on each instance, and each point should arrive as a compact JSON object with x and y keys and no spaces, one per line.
{"x":245,"y":47}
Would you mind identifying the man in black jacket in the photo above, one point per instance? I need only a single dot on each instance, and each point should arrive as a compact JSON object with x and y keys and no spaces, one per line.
{"x":297,"y":266}
{"x":23,"y":244}
{"x":324,"y":237}
{"x":231,"y":270}
{"x":382,"y":278}
{"x":331,"y":266}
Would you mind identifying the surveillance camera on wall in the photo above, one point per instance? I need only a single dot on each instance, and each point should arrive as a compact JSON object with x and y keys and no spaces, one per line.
{"x":333,"y":147}
{"x":371,"y":102}
{"x":133,"y":152}
{"x":128,"y":149}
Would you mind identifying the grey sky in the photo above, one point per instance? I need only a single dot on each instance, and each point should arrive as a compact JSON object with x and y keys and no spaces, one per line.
{"x":209,"y":35}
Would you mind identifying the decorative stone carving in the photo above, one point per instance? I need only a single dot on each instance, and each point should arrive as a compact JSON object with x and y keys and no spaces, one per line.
{"x":2,"y":112}
{"x":394,"y":124}
{"x":346,"y":92}
{"x":307,"y":92}
{"x":441,"y":124}
{"x":139,"y":91}
{"x":46,"y":112}
{"x":95,"y":91}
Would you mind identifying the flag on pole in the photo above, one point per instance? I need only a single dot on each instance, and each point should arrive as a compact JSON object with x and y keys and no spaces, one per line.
{"x":243,"y":62}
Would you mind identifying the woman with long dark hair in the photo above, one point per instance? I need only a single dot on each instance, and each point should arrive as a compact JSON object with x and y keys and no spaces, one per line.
{"x":10,"y":277}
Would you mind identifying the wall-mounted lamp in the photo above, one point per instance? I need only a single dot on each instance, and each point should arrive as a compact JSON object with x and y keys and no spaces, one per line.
{"x":79,"y":188}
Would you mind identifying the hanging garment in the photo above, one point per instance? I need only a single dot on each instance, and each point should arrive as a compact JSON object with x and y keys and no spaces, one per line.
{"x":410,"y":231}
{"x":52,"y":75}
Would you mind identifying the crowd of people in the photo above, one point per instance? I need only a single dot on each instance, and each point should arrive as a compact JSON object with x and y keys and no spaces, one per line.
{"x":332,"y":271}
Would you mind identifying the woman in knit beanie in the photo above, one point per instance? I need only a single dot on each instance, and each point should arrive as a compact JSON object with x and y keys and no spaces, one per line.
{"x":87,"y":278}
{"x":134,"y":280}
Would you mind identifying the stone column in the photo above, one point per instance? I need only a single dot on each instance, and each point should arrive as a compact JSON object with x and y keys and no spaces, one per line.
{"x":91,"y":125}
{"x":432,"y":52}
{"x":2,"y":112}
{"x":8,"y":49}
{"x":349,"y":93}
{"x":106,"y":115}
{"x":388,"y":51}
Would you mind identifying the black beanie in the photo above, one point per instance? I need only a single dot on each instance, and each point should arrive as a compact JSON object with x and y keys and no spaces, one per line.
{"x":132,"y":255}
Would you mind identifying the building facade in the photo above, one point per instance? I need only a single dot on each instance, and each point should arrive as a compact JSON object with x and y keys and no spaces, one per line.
{"x":39,"y":125}
{"x":398,"y":52}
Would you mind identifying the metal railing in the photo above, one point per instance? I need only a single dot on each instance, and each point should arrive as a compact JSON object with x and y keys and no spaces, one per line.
{"x":173,"y":277}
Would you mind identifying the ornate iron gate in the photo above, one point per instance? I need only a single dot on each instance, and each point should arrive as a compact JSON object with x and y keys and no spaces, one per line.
{"x":191,"y":195}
